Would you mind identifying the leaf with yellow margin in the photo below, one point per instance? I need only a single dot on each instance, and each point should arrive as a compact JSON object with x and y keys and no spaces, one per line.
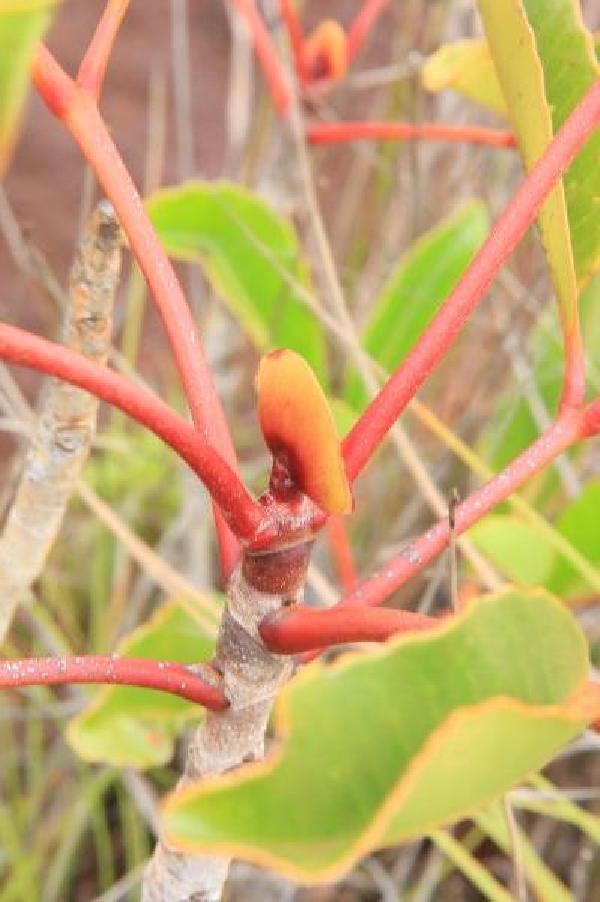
{"x":127,"y":726}
{"x":22,"y":25}
{"x":299,"y":429}
{"x":545,"y":61}
{"x":392,"y":743}
{"x":465,"y":66}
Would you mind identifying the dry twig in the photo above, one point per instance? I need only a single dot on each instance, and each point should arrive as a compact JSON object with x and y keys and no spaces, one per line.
{"x":67,"y":420}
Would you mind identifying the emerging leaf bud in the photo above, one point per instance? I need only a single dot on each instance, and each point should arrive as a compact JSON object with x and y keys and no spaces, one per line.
{"x":325,"y":52}
{"x":300,"y":432}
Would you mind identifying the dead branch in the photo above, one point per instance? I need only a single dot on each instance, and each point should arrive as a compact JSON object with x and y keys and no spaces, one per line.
{"x":67,"y":419}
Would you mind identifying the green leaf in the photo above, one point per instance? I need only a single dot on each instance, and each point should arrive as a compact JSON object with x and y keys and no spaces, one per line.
{"x":465,"y":66}
{"x":389,"y":744}
{"x":580,"y":523}
{"x":249,"y":254}
{"x":418,"y":286}
{"x":526,"y":556}
{"x":131,"y":727}
{"x":344,"y":415}
{"x":22,"y":25}
{"x":545,"y":62}
{"x":518,"y":550}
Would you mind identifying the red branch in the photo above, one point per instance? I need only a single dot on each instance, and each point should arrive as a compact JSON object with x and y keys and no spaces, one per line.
{"x":337,"y":132}
{"x":267,"y":55}
{"x":304,"y":631}
{"x":301,"y":629}
{"x":574,"y":379}
{"x":165,"y":676}
{"x":24,"y":349}
{"x":341,"y":552}
{"x":93,"y":66}
{"x":591,"y":419}
{"x":296,"y":38}
{"x":77,"y":109}
{"x":568,"y":429}
{"x":368,"y":432}
{"x":363,"y":23}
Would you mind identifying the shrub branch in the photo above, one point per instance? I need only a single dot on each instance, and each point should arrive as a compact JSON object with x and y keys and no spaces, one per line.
{"x":66,"y":423}
{"x":198,"y":683}
{"x":341,"y":132}
{"x":370,"y":429}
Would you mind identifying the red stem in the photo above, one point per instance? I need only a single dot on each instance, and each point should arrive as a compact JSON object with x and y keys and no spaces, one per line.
{"x":337,"y":132}
{"x":79,"y":112}
{"x":93,"y":66}
{"x":573,"y":392}
{"x":24,"y":349}
{"x":366,"y":435}
{"x":301,"y":629}
{"x":341,"y":551}
{"x":417,"y":554}
{"x":296,"y":38}
{"x":165,"y":676}
{"x":363,"y":23}
{"x":591,"y":419}
{"x":267,"y":55}
{"x":568,"y":429}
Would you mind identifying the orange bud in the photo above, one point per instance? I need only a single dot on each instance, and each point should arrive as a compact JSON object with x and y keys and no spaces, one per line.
{"x":299,"y":429}
{"x":325,"y":52}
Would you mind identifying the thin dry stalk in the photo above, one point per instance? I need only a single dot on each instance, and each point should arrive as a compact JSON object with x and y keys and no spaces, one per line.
{"x":519,"y":882}
{"x":67,"y":420}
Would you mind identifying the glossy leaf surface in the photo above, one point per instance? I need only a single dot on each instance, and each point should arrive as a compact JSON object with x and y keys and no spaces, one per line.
{"x":389,"y":744}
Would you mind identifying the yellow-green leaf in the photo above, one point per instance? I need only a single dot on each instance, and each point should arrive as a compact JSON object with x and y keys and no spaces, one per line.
{"x":22,"y":24}
{"x":392,"y":743}
{"x":519,"y":551}
{"x":465,"y":66}
{"x":545,"y":61}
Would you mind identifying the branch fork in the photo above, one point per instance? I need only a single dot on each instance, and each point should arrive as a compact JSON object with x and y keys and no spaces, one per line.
{"x":265,"y":545}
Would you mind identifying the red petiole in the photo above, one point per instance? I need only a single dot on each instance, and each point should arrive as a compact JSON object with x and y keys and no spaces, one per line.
{"x":341,"y":132}
{"x":198,"y":684}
